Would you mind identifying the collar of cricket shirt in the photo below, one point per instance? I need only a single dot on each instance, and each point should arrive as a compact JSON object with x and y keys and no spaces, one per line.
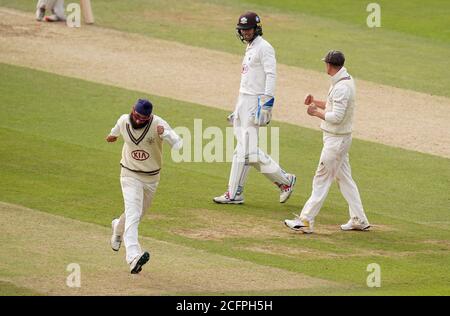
{"x":254,"y":42}
{"x":342,"y":73}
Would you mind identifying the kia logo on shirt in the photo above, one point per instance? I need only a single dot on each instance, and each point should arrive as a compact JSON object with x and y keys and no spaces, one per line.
{"x":140,"y":155}
{"x":244,"y":68}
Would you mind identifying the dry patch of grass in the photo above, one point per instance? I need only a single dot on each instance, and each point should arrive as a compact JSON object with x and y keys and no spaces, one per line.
{"x":218,"y":225}
{"x":295,"y":252}
{"x":313,"y":254}
{"x":443,"y":244}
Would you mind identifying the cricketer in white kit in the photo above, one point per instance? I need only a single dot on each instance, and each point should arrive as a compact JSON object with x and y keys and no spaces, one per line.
{"x":254,"y":109}
{"x":334,"y":164}
{"x":143,"y":134}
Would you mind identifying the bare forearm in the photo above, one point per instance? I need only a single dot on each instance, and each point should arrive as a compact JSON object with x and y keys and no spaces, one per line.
{"x":320,"y":104}
{"x":320,"y":114}
{"x":313,"y":110}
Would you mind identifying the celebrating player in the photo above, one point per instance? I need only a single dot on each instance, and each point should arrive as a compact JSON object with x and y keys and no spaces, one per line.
{"x":143,"y":134}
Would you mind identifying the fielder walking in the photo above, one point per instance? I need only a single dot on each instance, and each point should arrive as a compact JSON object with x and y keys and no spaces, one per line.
{"x":254,"y":109}
{"x":337,"y":117}
{"x":143,"y":134}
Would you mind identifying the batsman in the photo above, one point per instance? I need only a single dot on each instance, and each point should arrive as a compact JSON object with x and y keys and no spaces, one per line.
{"x":254,"y":109}
{"x":143,"y":134}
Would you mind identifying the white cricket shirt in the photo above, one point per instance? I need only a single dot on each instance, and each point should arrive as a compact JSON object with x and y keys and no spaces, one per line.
{"x":142,"y":148}
{"x":258,"y":75}
{"x":340,"y":104}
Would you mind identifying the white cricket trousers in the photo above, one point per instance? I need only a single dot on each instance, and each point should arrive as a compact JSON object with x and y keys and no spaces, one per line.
{"x":56,"y":6}
{"x":334,"y":165}
{"x":247,"y":152}
{"x":137,"y":197}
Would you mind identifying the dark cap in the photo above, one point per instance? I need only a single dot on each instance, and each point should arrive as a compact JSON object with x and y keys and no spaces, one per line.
{"x":335,"y":58}
{"x":248,"y":20}
{"x":143,"y":107}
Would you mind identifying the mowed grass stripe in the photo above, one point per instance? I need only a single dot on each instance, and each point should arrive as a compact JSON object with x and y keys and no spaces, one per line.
{"x":43,"y":245}
{"x":9,"y":289}
{"x":54,"y":159}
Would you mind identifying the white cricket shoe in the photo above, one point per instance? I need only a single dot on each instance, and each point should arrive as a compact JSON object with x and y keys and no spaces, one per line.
{"x":40,"y":13}
{"x":299,"y":224}
{"x":225,"y":199}
{"x":116,"y":239}
{"x":138,"y":262}
{"x":355,"y":224}
{"x":286,"y":190}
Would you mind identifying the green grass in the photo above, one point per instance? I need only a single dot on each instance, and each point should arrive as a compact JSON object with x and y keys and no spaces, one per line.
{"x":8,"y":289}
{"x":413,"y":17}
{"x":54,"y":159}
{"x":409,"y":51}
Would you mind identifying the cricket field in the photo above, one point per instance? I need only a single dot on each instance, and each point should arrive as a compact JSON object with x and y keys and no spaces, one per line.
{"x":62,"y":90}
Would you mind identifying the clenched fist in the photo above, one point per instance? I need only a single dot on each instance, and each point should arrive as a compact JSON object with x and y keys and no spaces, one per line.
{"x":312,"y":110}
{"x":111,"y":139}
{"x":160,"y":129}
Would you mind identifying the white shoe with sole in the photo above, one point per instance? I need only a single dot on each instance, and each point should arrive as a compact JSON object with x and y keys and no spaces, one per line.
{"x":225,"y":199}
{"x":355,"y":224}
{"x":299,"y":224}
{"x":116,"y":239}
{"x":138,"y":262}
{"x":286,"y":190}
